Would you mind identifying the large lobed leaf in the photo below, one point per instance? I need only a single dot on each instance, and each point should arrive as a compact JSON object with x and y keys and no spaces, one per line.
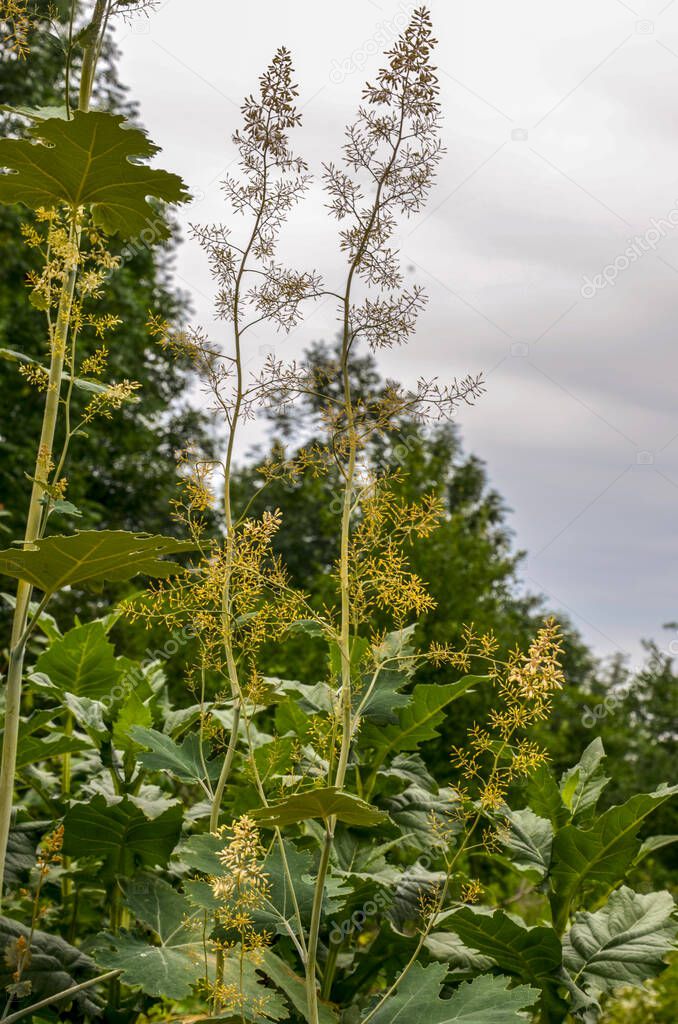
{"x":602,"y":853}
{"x":55,"y":965}
{"x":486,"y":1000}
{"x":185,"y":760}
{"x":319,"y":803}
{"x":418,"y":720}
{"x":92,"y":556}
{"x":86,"y":162}
{"x":623,"y":943}
{"x":82,"y":662}
{"x":179,"y":957}
{"x":532,"y":954}
{"x":170,"y":968}
{"x":121,"y":835}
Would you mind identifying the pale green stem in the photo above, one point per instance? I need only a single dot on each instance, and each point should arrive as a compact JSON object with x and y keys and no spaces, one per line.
{"x":43,"y":463}
{"x":66,"y":766}
{"x":314,"y":931}
{"x":67,"y":993}
{"x":24,"y":589}
{"x":346,"y":695}
{"x":225,"y":769}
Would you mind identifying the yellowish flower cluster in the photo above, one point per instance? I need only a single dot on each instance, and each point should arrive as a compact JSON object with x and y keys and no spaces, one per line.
{"x":16,"y":27}
{"x":94,"y":365}
{"x":496,"y":754}
{"x":238,"y":592}
{"x":242,"y":888}
{"x":240,"y":856}
{"x":36,"y":375}
{"x":55,"y":237}
{"x":179,"y":343}
{"x":380,"y":575}
{"x":111,"y":399}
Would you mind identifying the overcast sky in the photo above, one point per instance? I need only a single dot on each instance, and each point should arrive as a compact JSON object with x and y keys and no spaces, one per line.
{"x":561,"y":128}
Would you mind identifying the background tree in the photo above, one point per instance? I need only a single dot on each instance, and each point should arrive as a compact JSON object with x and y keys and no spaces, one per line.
{"x":470,"y":562}
{"x":136,"y":474}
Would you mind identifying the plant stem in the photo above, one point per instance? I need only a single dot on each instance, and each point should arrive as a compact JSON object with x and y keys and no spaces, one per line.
{"x":329,"y":970}
{"x":91,"y":53}
{"x":58,"y":996}
{"x":24,"y":589}
{"x":34,"y":519}
{"x":311,"y":986}
{"x":225,"y":769}
{"x":228,"y":520}
{"x":66,"y":883}
{"x":344,"y":582}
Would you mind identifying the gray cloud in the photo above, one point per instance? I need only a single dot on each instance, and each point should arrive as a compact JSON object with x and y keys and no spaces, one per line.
{"x":560,"y":131}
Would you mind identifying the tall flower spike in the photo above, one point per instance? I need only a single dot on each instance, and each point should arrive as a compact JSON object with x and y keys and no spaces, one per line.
{"x":272,"y":182}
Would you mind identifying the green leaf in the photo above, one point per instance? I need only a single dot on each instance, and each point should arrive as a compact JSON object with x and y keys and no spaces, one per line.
{"x":89,"y":714}
{"x":133,"y":712}
{"x":392,"y":669}
{"x":172,"y":967}
{"x":294,"y":987}
{"x":601,"y":853}
{"x":65,"y":508}
{"x":531,"y":954}
{"x":412,"y":886}
{"x":544,"y":796}
{"x":200,"y":852}
{"x":623,"y":943}
{"x":82,"y":662}
{"x":35,"y":748}
{"x":486,"y":1000}
{"x":163,"y":754}
{"x":86,"y":162}
{"x":416,"y":810}
{"x":121,"y":835}
{"x":527,"y":841}
{"x":36,"y":113}
{"x":92,"y":556}
{"x":461,"y":961}
{"x":199,"y":893}
{"x":21,"y":852}
{"x":318,"y":803}
{"x":651,"y":844}
{"x":419,"y":719}
{"x":54,"y":966}
{"x":300,"y":864}
{"x":581,"y":786}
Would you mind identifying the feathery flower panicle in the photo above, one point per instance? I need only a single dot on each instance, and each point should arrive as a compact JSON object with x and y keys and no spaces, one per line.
{"x":273,"y":180}
{"x":243,"y":888}
{"x":244,"y":880}
{"x":497,"y":753}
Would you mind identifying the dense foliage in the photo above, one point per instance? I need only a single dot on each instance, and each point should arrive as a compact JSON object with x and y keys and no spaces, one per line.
{"x":341,"y":786}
